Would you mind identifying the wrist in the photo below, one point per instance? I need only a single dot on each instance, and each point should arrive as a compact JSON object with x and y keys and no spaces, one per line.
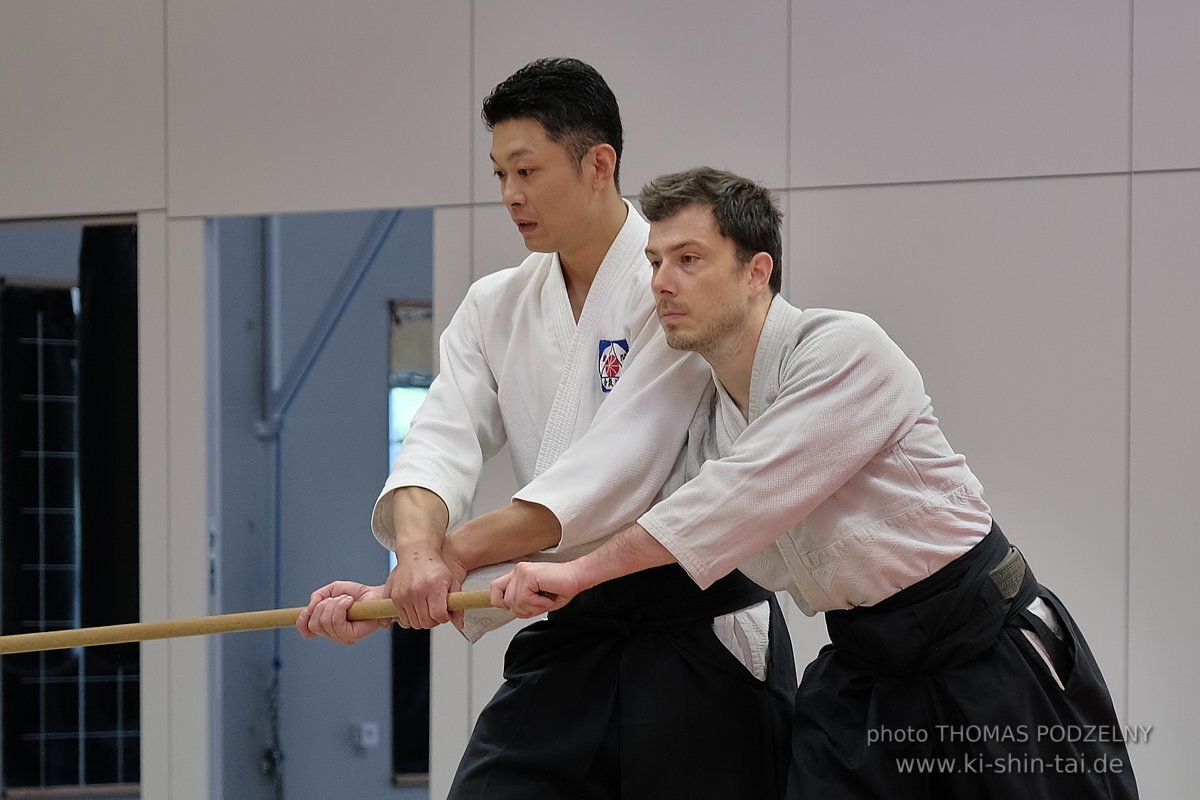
{"x":411,"y":540}
{"x":457,"y":550}
{"x":419,"y":519}
{"x":586,"y":572}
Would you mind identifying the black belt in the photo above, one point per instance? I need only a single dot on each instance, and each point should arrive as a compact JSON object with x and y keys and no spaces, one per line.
{"x":657,"y":599}
{"x":943,"y":620}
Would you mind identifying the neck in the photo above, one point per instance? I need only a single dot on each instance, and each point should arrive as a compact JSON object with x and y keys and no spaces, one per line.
{"x":581,"y":262}
{"x":733,"y":359}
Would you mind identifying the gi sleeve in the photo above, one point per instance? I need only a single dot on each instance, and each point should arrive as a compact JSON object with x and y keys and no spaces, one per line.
{"x":455,"y":430}
{"x":612,"y":473}
{"x":845,"y":393}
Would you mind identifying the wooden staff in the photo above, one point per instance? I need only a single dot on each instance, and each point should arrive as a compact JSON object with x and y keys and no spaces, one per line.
{"x":203,"y":626}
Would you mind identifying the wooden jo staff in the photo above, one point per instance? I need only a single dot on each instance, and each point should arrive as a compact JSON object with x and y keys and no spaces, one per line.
{"x":203,"y":626}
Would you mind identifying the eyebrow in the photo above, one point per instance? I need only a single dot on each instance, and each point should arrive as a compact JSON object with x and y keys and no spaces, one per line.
{"x":685,"y":244}
{"x":520,"y":151}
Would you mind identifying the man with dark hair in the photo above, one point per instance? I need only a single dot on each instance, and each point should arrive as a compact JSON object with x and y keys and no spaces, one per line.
{"x":626,"y":684}
{"x":816,"y":466}
{"x":568,"y":99}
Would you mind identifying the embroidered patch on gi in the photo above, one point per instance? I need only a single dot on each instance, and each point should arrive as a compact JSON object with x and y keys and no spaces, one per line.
{"x":612,"y":356}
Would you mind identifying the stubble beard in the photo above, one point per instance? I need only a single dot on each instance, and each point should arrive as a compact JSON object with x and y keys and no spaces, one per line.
{"x":713,"y":340}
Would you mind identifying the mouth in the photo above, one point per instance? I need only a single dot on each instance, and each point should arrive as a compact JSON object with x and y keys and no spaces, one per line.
{"x":669,"y":314}
{"x":525,"y":227}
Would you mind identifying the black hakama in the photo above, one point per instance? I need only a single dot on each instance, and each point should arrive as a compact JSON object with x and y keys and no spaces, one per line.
{"x":627,"y":693}
{"x":937,"y":693}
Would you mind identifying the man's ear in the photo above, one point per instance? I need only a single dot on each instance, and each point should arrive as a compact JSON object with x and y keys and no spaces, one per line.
{"x":603,"y":160}
{"x":759,"y":267}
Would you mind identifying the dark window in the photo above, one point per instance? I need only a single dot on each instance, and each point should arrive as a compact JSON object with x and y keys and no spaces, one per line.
{"x":68,"y":518}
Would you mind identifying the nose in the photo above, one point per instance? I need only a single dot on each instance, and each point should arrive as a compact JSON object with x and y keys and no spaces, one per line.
{"x":511,"y":193}
{"x":661,"y":282}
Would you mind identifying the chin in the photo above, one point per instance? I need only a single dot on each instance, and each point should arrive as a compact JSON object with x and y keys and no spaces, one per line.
{"x":534,"y":245}
{"x":676,"y":341}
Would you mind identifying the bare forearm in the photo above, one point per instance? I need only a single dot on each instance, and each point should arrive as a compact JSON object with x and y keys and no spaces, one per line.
{"x":421,"y":579}
{"x":533,"y":588}
{"x":419,"y":518}
{"x":631,"y":550}
{"x":518,"y":529}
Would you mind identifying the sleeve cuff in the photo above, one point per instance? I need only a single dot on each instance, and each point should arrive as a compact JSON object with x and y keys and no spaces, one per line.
{"x":561,"y":512}
{"x":381,"y":513}
{"x":699,"y":570}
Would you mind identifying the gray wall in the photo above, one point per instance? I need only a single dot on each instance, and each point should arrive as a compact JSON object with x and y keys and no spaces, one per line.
{"x":1009,"y":187}
{"x":334,"y":446}
{"x":245,"y":571}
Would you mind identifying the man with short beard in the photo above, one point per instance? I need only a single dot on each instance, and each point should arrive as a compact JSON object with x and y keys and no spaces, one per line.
{"x":816,"y":466}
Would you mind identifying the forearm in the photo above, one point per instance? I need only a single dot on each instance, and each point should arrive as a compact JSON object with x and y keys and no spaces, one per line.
{"x":631,"y":550}
{"x":533,"y":588}
{"x":419,"y":519}
{"x":516,"y":530}
{"x":421,"y":579}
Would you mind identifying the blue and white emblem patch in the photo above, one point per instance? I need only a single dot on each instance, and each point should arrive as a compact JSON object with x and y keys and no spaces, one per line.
{"x":612,"y":356}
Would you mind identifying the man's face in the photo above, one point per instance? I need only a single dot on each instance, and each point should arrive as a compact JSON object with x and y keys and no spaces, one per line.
{"x":542,"y":187}
{"x":699,"y":284}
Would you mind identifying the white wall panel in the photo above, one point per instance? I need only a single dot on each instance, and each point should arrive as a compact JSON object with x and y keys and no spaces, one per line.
{"x":1010,"y":296}
{"x":81,"y":107}
{"x":187,"y":505}
{"x":705,"y":85}
{"x":496,"y":242}
{"x":1166,"y":107}
{"x":283,"y":106}
{"x":450,"y":716}
{"x":154,"y":580}
{"x":451,"y":264}
{"x":1165,"y":436}
{"x":938,"y":89}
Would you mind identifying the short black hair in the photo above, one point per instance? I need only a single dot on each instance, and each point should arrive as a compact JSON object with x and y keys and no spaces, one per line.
{"x":745,"y":211}
{"x":568,"y":98}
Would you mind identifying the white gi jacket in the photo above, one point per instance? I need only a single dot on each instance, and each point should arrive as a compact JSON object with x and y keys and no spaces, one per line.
{"x":517,"y":368}
{"x":840,"y":489}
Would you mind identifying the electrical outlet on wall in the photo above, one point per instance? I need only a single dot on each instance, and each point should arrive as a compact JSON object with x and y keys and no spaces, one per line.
{"x":364,"y":735}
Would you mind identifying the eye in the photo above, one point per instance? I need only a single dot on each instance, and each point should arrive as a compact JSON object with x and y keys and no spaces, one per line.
{"x":654,"y":264}
{"x":498,"y":174}
{"x":688,"y":259}
{"x":524,"y":172}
